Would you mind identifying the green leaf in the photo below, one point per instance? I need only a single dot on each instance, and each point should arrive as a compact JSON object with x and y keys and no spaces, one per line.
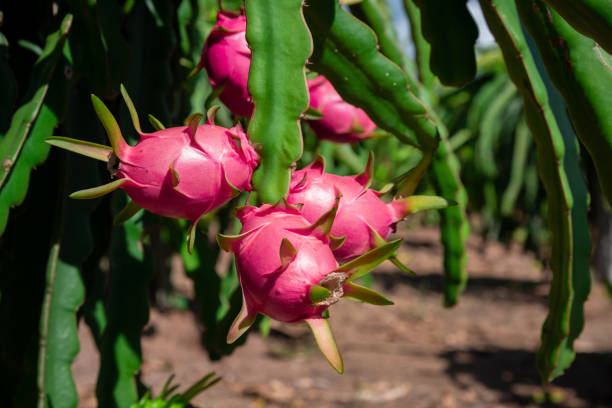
{"x":89,"y":149}
{"x":363,"y":264}
{"x":113,"y":131}
{"x":99,"y":191}
{"x":363,"y":294}
{"x":346,"y":53}
{"x":280,"y":44}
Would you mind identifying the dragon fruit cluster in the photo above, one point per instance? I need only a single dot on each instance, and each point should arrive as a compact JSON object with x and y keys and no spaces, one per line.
{"x":227,"y":57}
{"x":294,"y":258}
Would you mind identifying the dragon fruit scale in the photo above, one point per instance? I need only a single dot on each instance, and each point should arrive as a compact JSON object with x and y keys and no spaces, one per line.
{"x":288,"y":272}
{"x":341,"y":121}
{"x":227,"y":58}
{"x":180,"y":172}
{"x":362,"y":217}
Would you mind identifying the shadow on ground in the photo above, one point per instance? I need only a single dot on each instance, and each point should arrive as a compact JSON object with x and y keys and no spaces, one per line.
{"x":512,"y":374}
{"x":515,"y":289}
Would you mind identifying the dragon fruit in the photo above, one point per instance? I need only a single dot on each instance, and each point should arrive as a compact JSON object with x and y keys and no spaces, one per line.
{"x":180,"y":172}
{"x":288,"y":272}
{"x":362,"y":218}
{"x":341,"y":121}
{"x":227,"y":57}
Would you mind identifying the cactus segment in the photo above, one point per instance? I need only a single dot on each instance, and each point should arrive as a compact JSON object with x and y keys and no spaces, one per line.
{"x":317,"y":293}
{"x":379,"y":241}
{"x":326,"y":342}
{"x":413,"y":204}
{"x":503,"y":19}
{"x":365,"y":178}
{"x":156,"y":123}
{"x":577,"y":67}
{"x":454,"y":225}
{"x":192,"y":122}
{"x":363,"y":294}
{"x":408,"y":182}
{"x":242,"y":322}
{"x":287,"y":252}
{"x":592,"y":18}
{"x":376,"y":14}
{"x":89,"y":149}
{"x":280,"y":44}
{"x":130,"y":209}
{"x":368,"y":261}
{"x":345,"y":52}
{"x":99,"y":191}
{"x":131,"y":109}
{"x":110,"y":125}
{"x":451,"y":31}
{"x":522,"y":146}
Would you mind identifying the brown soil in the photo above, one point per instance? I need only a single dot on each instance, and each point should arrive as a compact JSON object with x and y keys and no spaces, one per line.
{"x":413,"y":354}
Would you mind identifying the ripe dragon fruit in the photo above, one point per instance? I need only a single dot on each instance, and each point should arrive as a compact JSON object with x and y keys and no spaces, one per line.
{"x":227,"y":57}
{"x":287,"y":271}
{"x":341,"y":121}
{"x":180,"y":172}
{"x":363,"y":218}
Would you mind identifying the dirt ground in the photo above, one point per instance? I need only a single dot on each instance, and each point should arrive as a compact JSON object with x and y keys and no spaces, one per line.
{"x":415,"y":353}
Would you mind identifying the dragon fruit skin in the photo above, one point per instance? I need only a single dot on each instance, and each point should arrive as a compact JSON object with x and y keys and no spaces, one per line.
{"x":281,"y":293}
{"x":176,"y":174}
{"x":227,"y":58}
{"x":180,"y":172}
{"x":360,"y":209}
{"x":341,"y":121}
{"x":288,"y":272}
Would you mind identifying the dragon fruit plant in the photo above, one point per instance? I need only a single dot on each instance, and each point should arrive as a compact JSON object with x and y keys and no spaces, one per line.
{"x":341,"y":121}
{"x":362,"y":218}
{"x":227,"y":57}
{"x":288,"y":272}
{"x":180,"y":172}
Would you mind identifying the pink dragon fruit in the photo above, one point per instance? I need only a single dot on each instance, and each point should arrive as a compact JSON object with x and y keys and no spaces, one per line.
{"x":288,"y":272}
{"x":341,"y":121}
{"x":181,"y":172}
{"x":227,"y":57}
{"x":363,"y":218}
